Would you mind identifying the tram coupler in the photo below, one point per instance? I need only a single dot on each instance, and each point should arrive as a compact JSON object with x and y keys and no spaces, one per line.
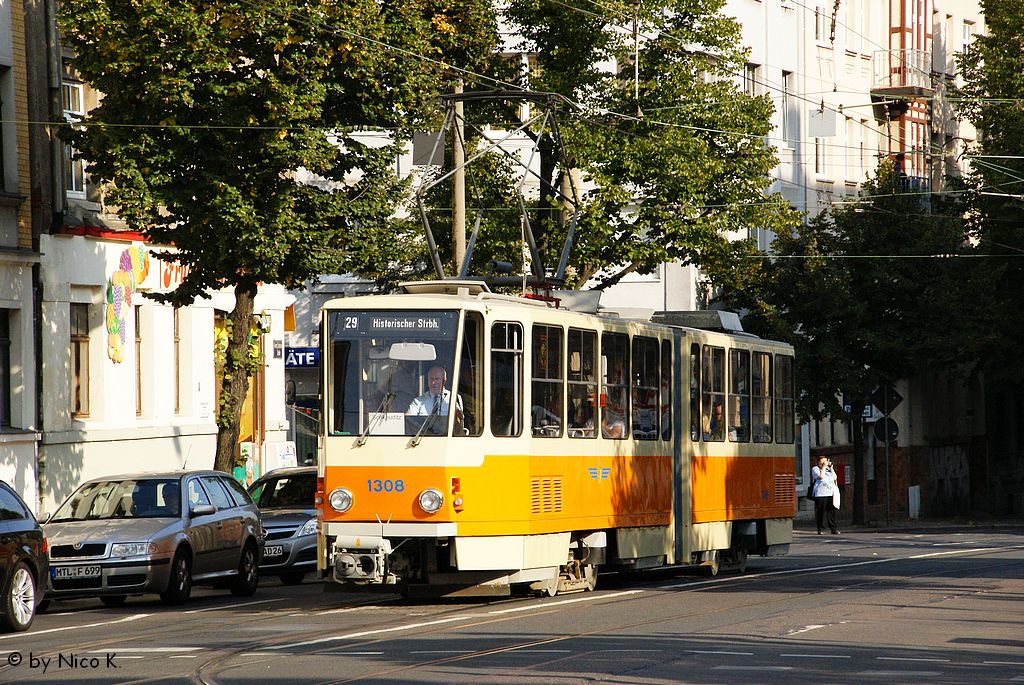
{"x":362,"y":559}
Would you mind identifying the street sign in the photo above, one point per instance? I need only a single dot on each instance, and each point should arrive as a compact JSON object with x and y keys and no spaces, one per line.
{"x":885,"y":398}
{"x":302,"y":358}
{"x":886,"y":430}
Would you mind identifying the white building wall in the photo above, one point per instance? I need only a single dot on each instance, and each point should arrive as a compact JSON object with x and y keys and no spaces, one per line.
{"x":113,"y":438}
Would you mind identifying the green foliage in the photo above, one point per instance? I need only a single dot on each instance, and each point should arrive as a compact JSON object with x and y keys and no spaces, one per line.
{"x":993,"y":74}
{"x":676,"y":156}
{"x":213,"y":111}
{"x":864,"y":292}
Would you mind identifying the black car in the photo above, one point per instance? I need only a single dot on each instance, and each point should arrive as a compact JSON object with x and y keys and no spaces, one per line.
{"x":286,"y":501}
{"x":24,"y":562}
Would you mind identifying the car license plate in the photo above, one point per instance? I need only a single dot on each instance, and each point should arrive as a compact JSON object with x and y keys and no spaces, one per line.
{"x":273,"y":550}
{"x":62,"y":572}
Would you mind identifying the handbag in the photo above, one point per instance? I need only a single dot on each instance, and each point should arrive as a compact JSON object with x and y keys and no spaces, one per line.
{"x":810,"y":491}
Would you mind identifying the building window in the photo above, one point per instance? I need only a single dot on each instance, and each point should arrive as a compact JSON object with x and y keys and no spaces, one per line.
{"x":822,"y":25}
{"x":820,"y":167}
{"x":968,"y":35}
{"x":79,"y":360}
{"x":74,"y":169}
{"x":5,"y":368}
{"x":138,"y":360}
{"x":751,"y":79}
{"x":785,"y":106}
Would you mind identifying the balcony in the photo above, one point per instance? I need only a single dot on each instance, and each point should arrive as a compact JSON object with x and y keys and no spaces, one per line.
{"x":902,"y":74}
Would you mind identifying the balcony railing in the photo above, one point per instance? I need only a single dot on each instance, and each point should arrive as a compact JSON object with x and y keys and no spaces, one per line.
{"x":902,"y":72}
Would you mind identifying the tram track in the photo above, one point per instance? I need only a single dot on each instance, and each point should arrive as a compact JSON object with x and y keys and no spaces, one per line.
{"x":220,"y":662}
{"x":206,"y":674}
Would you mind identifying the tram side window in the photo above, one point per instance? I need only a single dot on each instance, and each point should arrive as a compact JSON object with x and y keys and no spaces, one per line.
{"x":694,"y":392}
{"x":713,"y":393}
{"x":785,"y":418}
{"x":345,"y":417}
{"x":615,"y":405}
{"x":666,"y":390}
{"x":582,"y":383}
{"x":471,"y":371}
{"x":506,"y":379}
{"x":761,"y":397}
{"x":739,"y":395}
{"x":547,"y":387}
{"x":645,"y":388}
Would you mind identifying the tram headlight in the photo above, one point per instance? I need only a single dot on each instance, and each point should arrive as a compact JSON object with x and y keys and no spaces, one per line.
{"x":340,"y":499}
{"x":431,"y":500}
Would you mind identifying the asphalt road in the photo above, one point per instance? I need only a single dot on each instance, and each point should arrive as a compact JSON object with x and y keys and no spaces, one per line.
{"x":936,"y":606}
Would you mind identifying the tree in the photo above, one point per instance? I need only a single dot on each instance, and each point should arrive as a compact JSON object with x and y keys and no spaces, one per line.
{"x":671,"y":147}
{"x":990,"y":99}
{"x":864,"y":292}
{"x":213,"y":135}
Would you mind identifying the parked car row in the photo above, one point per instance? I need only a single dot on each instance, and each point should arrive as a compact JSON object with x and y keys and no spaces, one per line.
{"x":157,"y":533}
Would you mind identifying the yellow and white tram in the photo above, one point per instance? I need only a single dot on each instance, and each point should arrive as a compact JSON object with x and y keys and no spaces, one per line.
{"x":563,"y":441}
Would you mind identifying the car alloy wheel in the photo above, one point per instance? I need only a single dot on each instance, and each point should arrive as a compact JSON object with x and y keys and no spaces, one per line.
{"x":179,"y":586}
{"x":19,"y":601}
{"x":248,"y":578}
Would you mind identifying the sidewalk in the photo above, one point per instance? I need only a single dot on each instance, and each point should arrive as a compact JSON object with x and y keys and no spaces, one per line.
{"x":923,"y":525}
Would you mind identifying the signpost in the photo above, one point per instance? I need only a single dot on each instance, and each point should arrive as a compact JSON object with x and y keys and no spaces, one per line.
{"x":885,"y":398}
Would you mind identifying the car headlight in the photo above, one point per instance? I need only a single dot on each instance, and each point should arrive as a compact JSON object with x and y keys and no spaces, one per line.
{"x":308,"y":528}
{"x":132,"y":549}
{"x":341,"y":499}
{"x":431,"y":500}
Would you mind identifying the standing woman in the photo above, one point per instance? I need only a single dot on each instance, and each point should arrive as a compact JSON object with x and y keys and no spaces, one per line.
{"x":824,"y":478}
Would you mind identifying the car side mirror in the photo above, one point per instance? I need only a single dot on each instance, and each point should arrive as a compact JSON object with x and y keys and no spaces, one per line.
{"x":203,"y":510}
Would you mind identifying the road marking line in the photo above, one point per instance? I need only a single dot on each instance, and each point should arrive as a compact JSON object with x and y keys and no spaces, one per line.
{"x":752,"y":668}
{"x":233,"y":606}
{"x":365,"y":633}
{"x":548,"y":605}
{"x":184,"y":656}
{"x":818,"y":656}
{"x":806,"y":629}
{"x":1004,"y":663}
{"x":910,"y":658}
{"x":146,"y":650}
{"x":444,"y":651}
{"x":345,"y":610}
{"x":900,"y":674}
{"x":955,"y":551}
{"x":352,"y":653}
{"x":718,"y":651}
{"x":126,"y":619}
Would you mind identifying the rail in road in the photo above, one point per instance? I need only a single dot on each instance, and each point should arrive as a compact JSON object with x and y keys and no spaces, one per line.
{"x":900,"y":607}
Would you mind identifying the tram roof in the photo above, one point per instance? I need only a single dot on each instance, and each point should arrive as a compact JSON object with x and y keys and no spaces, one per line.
{"x":476,"y":293}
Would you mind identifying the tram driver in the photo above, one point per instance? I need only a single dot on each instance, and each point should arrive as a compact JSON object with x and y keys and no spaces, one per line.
{"x":437,"y":399}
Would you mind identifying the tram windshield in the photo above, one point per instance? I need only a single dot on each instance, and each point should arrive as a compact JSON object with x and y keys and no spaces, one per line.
{"x":390,"y":372}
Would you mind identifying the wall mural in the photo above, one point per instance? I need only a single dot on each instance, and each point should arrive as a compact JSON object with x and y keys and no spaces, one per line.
{"x":132,"y":271}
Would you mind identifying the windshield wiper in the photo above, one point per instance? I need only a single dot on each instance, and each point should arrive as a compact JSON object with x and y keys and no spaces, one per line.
{"x":429,"y":420}
{"x":382,"y":408}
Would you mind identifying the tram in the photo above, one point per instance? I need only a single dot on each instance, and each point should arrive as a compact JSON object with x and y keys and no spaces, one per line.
{"x":559,"y":442}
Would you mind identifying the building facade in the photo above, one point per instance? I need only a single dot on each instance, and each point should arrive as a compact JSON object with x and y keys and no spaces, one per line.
{"x":19,"y":260}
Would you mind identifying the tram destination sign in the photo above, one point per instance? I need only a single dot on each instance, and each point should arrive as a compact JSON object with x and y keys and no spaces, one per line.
{"x":390,"y":324}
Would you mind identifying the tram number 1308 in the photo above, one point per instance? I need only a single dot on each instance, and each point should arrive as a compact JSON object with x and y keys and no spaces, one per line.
{"x":376,"y":485}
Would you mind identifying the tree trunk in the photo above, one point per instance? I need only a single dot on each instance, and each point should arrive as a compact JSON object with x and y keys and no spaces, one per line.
{"x":857,"y":412}
{"x":234,"y":379}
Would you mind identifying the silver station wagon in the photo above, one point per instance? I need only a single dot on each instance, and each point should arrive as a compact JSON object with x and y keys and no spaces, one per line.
{"x":154,"y":533}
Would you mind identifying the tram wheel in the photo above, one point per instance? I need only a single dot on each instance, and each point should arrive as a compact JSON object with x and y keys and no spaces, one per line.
{"x":712,"y":565}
